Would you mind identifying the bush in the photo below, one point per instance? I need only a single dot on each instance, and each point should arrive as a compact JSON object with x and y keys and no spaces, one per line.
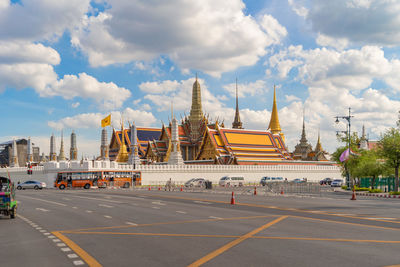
{"x":394,"y":193}
{"x":344,"y":187}
{"x":375,"y":191}
{"x":356,"y":188}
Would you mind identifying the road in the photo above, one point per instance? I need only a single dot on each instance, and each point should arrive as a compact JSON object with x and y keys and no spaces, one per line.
{"x":158,"y":228}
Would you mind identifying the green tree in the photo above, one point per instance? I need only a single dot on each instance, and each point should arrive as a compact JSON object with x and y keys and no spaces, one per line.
{"x":370,"y":165}
{"x":389,"y":147}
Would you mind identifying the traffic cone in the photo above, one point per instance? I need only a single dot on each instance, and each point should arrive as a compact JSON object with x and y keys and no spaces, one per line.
{"x":149,"y":188}
{"x":181,"y":188}
{"x":353,"y":197}
{"x":159,"y":188}
{"x":233,"y":199}
{"x":255,"y":191}
{"x":281,"y":191}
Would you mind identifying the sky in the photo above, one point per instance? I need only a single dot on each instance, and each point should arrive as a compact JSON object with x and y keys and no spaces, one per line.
{"x":66,"y":64}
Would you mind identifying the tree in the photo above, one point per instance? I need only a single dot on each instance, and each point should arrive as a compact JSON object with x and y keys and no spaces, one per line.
{"x":370,"y":165}
{"x":389,"y":147}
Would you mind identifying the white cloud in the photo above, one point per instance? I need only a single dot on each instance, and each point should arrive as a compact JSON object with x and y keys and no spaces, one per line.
{"x":360,"y":21}
{"x":92,"y":120}
{"x":75,"y":105}
{"x":298,"y":8}
{"x":258,"y":87}
{"x":291,"y":98}
{"x":36,"y":20}
{"x":338,"y":43}
{"x":210,"y":35}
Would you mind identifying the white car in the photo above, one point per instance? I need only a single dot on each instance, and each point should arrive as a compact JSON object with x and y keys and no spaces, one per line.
{"x":31,"y":185}
{"x":337,"y":183}
{"x":196,"y":182}
{"x":231,"y":181}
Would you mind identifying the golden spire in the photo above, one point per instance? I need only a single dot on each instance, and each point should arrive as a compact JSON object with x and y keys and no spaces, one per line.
{"x":123,"y":152}
{"x":236,"y":122}
{"x":196,"y":112}
{"x":274,"y":125}
{"x":318,"y":147}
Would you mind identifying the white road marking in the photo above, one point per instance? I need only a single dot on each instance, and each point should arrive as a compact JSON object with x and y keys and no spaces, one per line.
{"x":213,"y":217}
{"x":381,"y":218}
{"x":56,"y":240}
{"x":34,"y":225}
{"x":316,"y":211}
{"x":89,"y":211}
{"x":106,"y":206}
{"x":107,"y":216}
{"x":51,"y":236}
{"x":131,"y":223}
{"x":38,"y":228}
{"x":46,"y":233}
{"x":41,"y":209}
{"x":66,"y":198}
{"x":72,"y":256}
{"x":158,"y":203}
{"x":61,"y":244}
{"x":157,"y":208}
{"x":78,"y":263}
{"x":51,"y":202}
{"x":101,"y":199}
{"x":75,"y":207}
{"x":42,"y":231}
{"x":179,"y":211}
{"x":202,"y":202}
{"x":65,"y":249}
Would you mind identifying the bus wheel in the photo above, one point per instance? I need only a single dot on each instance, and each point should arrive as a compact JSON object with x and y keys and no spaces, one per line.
{"x":62,"y":187}
{"x":87,"y":186}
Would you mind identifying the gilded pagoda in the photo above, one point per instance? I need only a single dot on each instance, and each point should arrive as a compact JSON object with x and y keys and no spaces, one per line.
{"x":204,"y":142}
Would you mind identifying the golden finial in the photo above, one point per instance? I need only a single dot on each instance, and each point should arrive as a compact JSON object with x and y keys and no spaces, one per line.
{"x":274,"y":125}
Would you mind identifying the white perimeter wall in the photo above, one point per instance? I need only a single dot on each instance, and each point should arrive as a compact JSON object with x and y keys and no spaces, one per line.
{"x":159,"y":174}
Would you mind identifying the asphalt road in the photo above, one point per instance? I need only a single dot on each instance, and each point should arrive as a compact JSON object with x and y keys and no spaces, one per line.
{"x":158,"y":228}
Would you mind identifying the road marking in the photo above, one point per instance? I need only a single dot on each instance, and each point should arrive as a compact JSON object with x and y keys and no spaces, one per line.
{"x":51,"y":236}
{"x":78,"y":250}
{"x":46,"y":233}
{"x":34,"y":225}
{"x":61,"y":244}
{"x":328,"y":239}
{"x":42,"y":231}
{"x":201,"y":202}
{"x":166,"y":223}
{"x":158,"y":203}
{"x":101,"y":199}
{"x":51,"y":202}
{"x":107,"y":216}
{"x":41,"y":209}
{"x":182,"y":212}
{"x":56,"y":240}
{"x":66,"y":198}
{"x":72,"y":256}
{"x":106,"y":206}
{"x":75,"y":207}
{"x":235,"y":242}
{"x":79,"y":263}
{"x":157,"y":208}
{"x":89,"y":211}
{"x":65,"y":249}
{"x":131,"y":223}
{"x":38,"y":228}
{"x":316,"y":211}
{"x":213,"y":217}
{"x":382,"y":218}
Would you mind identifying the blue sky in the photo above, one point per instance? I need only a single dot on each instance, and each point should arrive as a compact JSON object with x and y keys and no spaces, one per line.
{"x":64,"y":65}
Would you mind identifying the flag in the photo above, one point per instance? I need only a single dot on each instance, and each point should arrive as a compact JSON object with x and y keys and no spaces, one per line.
{"x":106,"y":121}
{"x":345,"y":155}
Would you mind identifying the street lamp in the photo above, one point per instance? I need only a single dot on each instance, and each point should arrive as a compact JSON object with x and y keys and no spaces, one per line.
{"x":348,"y":132}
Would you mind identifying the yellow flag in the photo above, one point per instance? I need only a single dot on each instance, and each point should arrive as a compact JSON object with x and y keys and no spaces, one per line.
{"x":106,"y":121}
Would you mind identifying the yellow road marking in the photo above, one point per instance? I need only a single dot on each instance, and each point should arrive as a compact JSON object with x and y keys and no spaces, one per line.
{"x":164,"y":223}
{"x":78,"y":250}
{"x":238,"y":236}
{"x":233,"y":243}
{"x":339,"y":222}
{"x":272,"y":207}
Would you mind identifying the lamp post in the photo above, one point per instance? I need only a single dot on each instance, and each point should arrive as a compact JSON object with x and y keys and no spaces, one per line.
{"x":348,"y":132}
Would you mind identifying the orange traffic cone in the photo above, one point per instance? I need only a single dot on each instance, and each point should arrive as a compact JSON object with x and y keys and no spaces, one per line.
{"x":255,"y":191}
{"x":353,"y":197}
{"x":233,"y":199}
{"x":149,"y":188}
{"x":281,"y":191}
{"x":181,"y":188}
{"x":159,"y":188}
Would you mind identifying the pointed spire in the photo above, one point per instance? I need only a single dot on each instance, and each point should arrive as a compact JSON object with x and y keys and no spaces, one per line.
{"x":61,"y":156}
{"x":274,"y":125}
{"x":123,"y":151}
{"x":237,"y":124}
{"x":29,"y":155}
{"x":73,"y":152}
{"x":303,"y":133}
{"x":53,"y":154}
{"x":196,"y":112}
{"x":14,"y":156}
{"x":318,"y":147}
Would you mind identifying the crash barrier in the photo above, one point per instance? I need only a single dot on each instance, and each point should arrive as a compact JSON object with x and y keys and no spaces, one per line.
{"x":293,"y":188}
{"x":381,"y":195}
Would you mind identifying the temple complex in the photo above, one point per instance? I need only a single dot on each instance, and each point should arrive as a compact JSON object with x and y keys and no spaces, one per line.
{"x":200,"y":141}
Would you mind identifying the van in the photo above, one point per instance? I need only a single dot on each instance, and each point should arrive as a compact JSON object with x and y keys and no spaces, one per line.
{"x":267,"y":179}
{"x":231,"y":181}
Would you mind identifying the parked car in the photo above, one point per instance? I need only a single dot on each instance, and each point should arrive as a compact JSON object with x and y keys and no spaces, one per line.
{"x":231,"y":181}
{"x":267,"y":179}
{"x":298,"y":180}
{"x":337,"y":183}
{"x":196,"y":182}
{"x":326,"y":181}
{"x":31,"y":185}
